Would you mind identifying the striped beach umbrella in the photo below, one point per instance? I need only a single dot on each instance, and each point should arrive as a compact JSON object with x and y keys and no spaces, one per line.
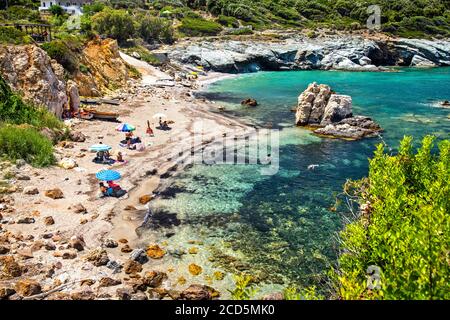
{"x":125,"y":127}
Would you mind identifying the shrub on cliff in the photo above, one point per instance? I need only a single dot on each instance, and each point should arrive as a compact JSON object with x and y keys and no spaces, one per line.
{"x":59,"y":50}
{"x":116,"y":24}
{"x":19,"y":129}
{"x":199,"y":27}
{"x":15,"y":111}
{"x":400,"y":240}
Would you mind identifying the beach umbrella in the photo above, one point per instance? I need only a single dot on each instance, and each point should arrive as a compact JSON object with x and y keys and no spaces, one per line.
{"x":159,"y":115}
{"x":108,"y":175}
{"x":125,"y":127}
{"x":99,"y":147}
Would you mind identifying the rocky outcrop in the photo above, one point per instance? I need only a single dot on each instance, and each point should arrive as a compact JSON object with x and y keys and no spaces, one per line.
{"x":104,"y":70}
{"x":331,"y":114}
{"x":29,"y":70}
{"x":299,"y":53}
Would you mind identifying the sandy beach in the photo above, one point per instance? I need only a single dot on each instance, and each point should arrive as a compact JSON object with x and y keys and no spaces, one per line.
{"x":81,"y":215}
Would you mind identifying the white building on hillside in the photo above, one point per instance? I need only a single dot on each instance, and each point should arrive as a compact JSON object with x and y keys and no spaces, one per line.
{"x":73,"y":7}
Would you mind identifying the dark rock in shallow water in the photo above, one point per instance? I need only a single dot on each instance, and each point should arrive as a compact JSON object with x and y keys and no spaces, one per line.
{"x":319,"y":107}
{"x":354,"y":128}
{"x":249,"y":102}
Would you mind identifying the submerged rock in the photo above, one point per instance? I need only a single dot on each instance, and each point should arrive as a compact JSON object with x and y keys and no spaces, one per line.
{"x":249,"y":102}
{"x":332,"y":113}
{"x":155,"y":252}
{"x":199,"y":292}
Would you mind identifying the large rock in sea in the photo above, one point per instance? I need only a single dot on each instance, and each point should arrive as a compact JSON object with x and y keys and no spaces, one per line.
{"x":332,"y":114}
{"x":29,"y":70}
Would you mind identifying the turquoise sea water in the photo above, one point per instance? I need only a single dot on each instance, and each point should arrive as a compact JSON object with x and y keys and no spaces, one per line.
{"x":280,"y":228}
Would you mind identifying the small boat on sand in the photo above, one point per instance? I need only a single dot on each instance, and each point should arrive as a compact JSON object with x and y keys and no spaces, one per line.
{"x":103,"y":115}
{"x":83,"y":115}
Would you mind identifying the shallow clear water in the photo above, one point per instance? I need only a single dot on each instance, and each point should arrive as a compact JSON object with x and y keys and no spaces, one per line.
{"x":280,"y":228}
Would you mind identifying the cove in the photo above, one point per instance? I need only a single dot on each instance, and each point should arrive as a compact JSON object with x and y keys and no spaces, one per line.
{"x":283,"y":229}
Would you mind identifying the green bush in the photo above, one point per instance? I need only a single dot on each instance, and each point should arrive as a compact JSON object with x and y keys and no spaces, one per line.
{"x":59,"y":50}
{"x":199,"y":27}
{"x":403,"y":228}
{"x":93,"y":8}
{"x":116,"y":24}
{"x":244,"y":289}
{"x":153,"y":29}
{"x":230,"y":22}
{"x":25,"y":142}
{"x":16,"y":13}
{"x":11,"y":35}
{"x":14,"y":110}
{"x":56,"y":10}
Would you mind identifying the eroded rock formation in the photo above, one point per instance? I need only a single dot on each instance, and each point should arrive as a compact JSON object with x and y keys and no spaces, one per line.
{"x":339,"y":52}
{"x":104,"y":69}
{"x":29,"y":70}
{"x":332,"y":114}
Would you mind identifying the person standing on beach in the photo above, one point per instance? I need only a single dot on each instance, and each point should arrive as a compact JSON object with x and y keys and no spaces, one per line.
{"x":149,"y":130}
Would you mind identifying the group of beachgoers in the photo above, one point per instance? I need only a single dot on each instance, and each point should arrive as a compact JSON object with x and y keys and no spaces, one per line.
{"x":103,"y":155}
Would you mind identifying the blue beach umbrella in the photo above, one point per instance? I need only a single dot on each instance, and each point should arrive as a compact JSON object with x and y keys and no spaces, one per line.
{"x":99,"y":147}
{"x":125,"y":127}
{"x":108,"y":175}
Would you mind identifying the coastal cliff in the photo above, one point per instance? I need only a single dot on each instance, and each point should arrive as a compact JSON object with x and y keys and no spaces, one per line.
{"x":43,"y":81}
{"x":343,"y":52}
{"x":30,"y":70}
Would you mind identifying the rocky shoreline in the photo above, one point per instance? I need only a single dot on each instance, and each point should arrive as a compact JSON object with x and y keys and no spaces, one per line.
{"x":58,"y":240}
{"x":339,"y":52}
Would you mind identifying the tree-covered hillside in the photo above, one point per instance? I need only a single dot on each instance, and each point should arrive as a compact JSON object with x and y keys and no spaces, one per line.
{"x":410,"y":18}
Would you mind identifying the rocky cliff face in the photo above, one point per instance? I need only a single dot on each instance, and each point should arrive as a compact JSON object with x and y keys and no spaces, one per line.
{"x":29,"y":70}
{"x":332,"y":114}
{"x":105,"y":69}
{"x":298,"y":53}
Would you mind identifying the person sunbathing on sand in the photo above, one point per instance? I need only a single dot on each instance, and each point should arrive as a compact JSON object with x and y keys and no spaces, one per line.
{"x":113,"y":185}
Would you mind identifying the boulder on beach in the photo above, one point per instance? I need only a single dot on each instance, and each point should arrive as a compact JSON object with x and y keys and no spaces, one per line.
{"x":331,"y":114}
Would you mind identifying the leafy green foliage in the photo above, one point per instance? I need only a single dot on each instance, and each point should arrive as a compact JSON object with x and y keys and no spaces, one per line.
{"x":243,"y":288}
{"x":56,"y":10}
{"x":61,"y":52}
{"x":117,"y":24}
{"x":404,"y":227}
{"x":153,"y":29}
{"x":14,"y":110}
{"x":230,"y":22}
{"x":25,"y":142}
{"x":11,"y":35}
{"x":309,"y":293}
{"x":199,"y":27}
{"x":19,"y":124}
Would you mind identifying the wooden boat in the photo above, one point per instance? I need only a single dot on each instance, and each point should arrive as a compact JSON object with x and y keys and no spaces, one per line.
{"x":103,"y":115}
{"x":110,"y":101}
{"x":83,"y":115}
{"x":89,"y":101}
